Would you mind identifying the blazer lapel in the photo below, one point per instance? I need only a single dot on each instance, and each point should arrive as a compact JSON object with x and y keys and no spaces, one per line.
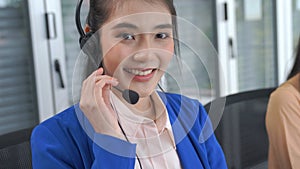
{"x":188,"y":156}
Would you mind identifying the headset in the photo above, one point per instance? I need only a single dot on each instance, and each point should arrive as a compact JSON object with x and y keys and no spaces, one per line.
{"x":84,"y":37}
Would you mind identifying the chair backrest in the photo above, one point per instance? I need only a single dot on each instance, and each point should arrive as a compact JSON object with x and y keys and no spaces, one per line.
{"x":241,"y":131}
{"x":15,"y":150}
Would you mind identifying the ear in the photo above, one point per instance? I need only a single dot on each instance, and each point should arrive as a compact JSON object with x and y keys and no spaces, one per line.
{"x":87,"y":28}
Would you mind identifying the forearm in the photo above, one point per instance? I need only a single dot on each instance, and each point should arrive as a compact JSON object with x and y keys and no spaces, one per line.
{"x":113,"y":153}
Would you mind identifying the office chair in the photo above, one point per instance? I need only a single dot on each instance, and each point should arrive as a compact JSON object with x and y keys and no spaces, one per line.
{"x":15,"y":150}
{"x":241,"y":131}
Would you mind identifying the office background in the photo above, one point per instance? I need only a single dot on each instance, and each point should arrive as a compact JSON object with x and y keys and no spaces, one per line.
{"x":254,"y":40}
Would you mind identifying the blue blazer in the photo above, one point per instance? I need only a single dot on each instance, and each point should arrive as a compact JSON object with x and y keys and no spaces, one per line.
{"x":67,"y":140}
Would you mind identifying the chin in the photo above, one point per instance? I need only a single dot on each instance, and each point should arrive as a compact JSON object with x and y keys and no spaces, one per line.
{"x":145,"y":92}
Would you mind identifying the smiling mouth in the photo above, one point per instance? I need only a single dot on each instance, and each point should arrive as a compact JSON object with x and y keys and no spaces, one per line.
{"x":137,"y":72}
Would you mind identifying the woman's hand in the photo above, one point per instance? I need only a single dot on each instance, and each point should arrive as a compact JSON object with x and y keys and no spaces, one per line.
{"x":95,"y":103}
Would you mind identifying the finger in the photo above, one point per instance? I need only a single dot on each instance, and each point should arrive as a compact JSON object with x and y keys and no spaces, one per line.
{"x":102,"y":97}
{"x":100,"y":86}
{"x":105,"y":81}
{"x":94,"y":81}
{"x":104,"y":85}
{"x":89,"y":85}
{"x":96,"y":73}
{"x":106,"y":91}
{"x":102,"y":89}
{"x":98,"y":78}
{"x":99,"y":71}
{"x":90,"y":80}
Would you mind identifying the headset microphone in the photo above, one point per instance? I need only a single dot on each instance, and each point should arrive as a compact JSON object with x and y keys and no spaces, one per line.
{"x":130,"y":96}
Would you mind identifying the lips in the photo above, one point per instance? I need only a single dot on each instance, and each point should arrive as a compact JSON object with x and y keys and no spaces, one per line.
{"x":141,"y":75}
{"x":138,"y":72}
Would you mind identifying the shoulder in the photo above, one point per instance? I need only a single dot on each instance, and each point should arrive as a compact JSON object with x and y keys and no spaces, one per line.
{"x":172,"y":98}
{"x":63,"y":119}
{"x":60,"y":141}
{"x":284,"y":96}
{"x":60,"y":125}
{"x":284,"y":103}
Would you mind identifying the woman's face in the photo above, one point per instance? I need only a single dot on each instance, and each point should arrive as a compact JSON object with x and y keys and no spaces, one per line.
{"x":137,"y":44}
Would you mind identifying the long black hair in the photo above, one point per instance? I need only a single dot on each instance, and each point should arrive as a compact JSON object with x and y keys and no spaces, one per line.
{"x":296,"y":68}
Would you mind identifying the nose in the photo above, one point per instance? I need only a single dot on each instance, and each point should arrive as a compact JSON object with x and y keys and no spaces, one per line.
{"x":145,"y":50}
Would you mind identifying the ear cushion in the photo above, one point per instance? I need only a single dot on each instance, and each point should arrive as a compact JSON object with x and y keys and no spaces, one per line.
{"x":84,"y":39}
{"x":89,"y":44}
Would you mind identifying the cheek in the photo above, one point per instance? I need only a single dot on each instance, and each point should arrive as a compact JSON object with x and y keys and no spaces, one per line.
{"x":110,"y":64}
{"x":169,"y":48}
{"x":166,"y":55}
{"x":113,"y":57}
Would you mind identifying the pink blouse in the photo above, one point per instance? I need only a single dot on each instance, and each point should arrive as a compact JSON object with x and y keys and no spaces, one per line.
{"x":154,"y":138}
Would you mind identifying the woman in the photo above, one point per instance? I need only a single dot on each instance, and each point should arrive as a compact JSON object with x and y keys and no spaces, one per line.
{"x":282,"y":121}
{"x":136,"y":40}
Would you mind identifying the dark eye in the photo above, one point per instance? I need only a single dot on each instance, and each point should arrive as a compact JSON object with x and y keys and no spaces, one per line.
{"x":127,"y":36}
{"x":162,"y":35}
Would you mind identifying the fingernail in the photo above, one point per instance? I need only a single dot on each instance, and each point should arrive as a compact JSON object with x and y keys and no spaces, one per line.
{"x":114,"y":79}
{"x":115,"y":83}
{"x":100,"y":70}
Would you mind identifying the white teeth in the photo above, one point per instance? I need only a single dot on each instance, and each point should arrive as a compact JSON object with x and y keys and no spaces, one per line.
{"x":139,"y":72}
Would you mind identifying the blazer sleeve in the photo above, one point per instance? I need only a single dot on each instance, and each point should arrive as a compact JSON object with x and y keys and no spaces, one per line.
{"x":50,"y":151}
{"x":215,"y":153}
{"x":113,"y":153}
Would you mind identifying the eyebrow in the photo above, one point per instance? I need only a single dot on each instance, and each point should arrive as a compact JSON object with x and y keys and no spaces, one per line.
{"x":125,"y":25}
{"x":163,"y":26}
{"x":132,"y":26}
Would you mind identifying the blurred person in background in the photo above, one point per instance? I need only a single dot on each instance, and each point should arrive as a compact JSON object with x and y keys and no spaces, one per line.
{"x":283,"y":121}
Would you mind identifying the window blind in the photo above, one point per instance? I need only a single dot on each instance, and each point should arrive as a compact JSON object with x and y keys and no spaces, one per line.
{"x":71,"y":38}
{"x":18,"y":101}
{"x":256,"y":48}
{"x":197,"y":14}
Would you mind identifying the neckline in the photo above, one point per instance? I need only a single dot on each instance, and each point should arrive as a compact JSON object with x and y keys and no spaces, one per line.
{"x":133,"y":114}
